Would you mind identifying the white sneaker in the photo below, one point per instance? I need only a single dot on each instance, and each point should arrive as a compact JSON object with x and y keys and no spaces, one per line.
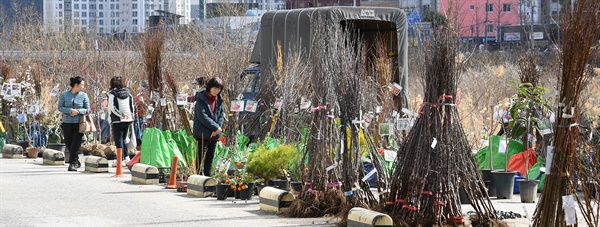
{"x":127,"y":159}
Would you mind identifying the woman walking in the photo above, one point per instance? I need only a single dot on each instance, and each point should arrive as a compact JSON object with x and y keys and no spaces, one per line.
{"x":120,"y":105}
{"x":73,"y":104}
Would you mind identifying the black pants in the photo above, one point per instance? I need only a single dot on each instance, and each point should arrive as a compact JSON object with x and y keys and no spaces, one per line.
{"x":205,"y":155}
{"x":73,"y":140}
{"x":119,"y":131}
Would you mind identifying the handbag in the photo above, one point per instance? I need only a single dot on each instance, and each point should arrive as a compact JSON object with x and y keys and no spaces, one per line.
{"x":86,"y":124}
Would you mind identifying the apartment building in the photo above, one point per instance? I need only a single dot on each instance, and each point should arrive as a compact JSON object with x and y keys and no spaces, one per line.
{"x":109,"y":16}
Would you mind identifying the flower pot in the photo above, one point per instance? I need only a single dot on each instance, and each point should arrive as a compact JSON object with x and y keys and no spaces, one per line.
{"x":237,"y":194}
{"x":258,"y":187}
{"x":222,"y":191}
{"x":528,"y":190}
{"x":246,"y":194}
{"x":281,"y":184}
{"x":23,"y":143}
{"x":181,"y":186}
{"x":32,"y":152}
{"x":462,"y":194}
{"x":487,"y":176}
{"x":297,"y":186}
{"x":505,"y":183}
{"x":591,"y":187}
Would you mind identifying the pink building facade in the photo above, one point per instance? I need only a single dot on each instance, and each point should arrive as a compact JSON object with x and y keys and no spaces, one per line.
{"x":472,"y":16}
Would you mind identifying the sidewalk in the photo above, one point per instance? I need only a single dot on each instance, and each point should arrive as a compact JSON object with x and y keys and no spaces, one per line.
{"x":32,"y":194}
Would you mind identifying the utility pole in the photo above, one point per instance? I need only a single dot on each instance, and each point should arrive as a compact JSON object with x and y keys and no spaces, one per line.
{"x":487,"y":4}
{"x":531,"y":43}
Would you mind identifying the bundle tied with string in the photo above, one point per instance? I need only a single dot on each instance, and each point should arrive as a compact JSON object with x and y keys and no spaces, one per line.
{"x":571,"y":154}
{"x":434,"y":162}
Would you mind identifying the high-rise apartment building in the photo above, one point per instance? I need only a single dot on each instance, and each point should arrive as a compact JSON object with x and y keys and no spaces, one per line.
{"x":109,"y":16}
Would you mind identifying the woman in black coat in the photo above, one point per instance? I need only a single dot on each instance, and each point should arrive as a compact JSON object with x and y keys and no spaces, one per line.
{"x":208,"y":119}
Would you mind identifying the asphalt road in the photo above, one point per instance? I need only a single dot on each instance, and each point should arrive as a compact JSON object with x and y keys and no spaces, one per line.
{"x":33,"y":194}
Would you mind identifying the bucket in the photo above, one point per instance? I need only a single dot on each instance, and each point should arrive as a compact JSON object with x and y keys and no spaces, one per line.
{"x":462,"y":194}
{"x":528,"y":190}
{"x":505,"y":183}
{"x":222,"y":191}
{"x":487,"y":176}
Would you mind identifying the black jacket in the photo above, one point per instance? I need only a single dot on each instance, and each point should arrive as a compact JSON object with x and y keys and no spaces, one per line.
{"x":204,"y":122}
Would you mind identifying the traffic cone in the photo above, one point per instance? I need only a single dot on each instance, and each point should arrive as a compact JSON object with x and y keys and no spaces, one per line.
{"x":119,"y":162}
{"x":172,"y":179}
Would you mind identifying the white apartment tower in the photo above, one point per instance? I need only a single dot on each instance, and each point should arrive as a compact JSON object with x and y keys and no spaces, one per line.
{"x":109,"y":16}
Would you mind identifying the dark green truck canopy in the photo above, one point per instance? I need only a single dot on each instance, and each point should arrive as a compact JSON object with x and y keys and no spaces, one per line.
{"x":292,"y":29}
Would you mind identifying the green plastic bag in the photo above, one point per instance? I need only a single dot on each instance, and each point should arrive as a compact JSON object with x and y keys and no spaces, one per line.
{"x":483,"y":156}
{"x":535,"y":172}
{"x":2,"y":143}
{"x":155,"y":150}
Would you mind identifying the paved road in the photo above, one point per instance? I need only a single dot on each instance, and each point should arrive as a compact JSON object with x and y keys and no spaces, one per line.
{"x":32,"y":194}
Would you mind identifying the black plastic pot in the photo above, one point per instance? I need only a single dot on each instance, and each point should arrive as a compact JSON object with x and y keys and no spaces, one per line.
{"x":297,"y":186}
{"x":246,"y":194}
{"x":222,"y":190}
{"x":487,"y":176}
{"x":505,"y":183}
{"x":527,"y":190}
{"x":281,"y":184}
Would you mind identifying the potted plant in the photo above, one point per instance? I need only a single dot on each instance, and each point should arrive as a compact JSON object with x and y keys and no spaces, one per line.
{"x":223,"y":183}
{"x":529,"y":99}
{"x":243,"y":186}
{"x":269,"y":164}
{"x":523,"y":112}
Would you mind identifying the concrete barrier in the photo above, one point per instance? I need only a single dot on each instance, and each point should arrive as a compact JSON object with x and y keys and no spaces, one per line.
{"x":96,"y":164}
{"x":201,"y":186}
{"x":274,"y":200}
{"x":362,"y":217}
{"x":144,"y":174}
{"x":12,"y":151}
{"x":53,"y":157}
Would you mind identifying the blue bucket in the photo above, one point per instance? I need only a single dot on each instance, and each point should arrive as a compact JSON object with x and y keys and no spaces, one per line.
{"x":516,"y":188}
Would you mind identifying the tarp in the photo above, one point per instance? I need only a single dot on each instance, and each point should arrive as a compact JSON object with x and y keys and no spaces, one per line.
{"x":518,"y":161}
{"x":292,"y":30}
{"x":483,"y":156}
{"x":536,"y":174}
{"x":159,"y":147}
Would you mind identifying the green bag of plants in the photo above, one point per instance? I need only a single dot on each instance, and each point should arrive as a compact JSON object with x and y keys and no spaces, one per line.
{"x":483,"y":156}
{"x":155,"y":150}
{"x":534,"y":173}
{"x":2,"y":143}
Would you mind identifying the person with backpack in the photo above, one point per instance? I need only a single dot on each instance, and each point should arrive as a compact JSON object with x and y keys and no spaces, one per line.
{"x":121,"y":108}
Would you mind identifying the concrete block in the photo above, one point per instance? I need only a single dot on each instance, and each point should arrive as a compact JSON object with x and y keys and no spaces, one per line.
{"x":144,"y":174}
{"x":201,"y":186}
{"x":96,"y":164}
{"x":12,"y":151}
{"x":274,"y":200}
{"x":361,"y":217}
{"x":53,"y":157}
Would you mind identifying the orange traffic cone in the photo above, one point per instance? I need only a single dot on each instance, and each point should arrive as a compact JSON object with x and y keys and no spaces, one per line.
{"x":172,"y":184}
{"x":119,"y":162}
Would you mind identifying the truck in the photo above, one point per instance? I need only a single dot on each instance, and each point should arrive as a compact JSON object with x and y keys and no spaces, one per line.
{"x":292,"y":28}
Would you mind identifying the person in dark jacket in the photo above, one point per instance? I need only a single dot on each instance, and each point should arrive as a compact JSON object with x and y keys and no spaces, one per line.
{"x":120,"y":105}
{"x":73,"y":104}
{"x":208,"y":119}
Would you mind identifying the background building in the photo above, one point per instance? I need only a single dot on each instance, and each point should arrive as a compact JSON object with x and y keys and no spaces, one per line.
{"x":109,"y":16}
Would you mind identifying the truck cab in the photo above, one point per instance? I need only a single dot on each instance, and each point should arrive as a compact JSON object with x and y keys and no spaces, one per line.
{"x":249,"y":78}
